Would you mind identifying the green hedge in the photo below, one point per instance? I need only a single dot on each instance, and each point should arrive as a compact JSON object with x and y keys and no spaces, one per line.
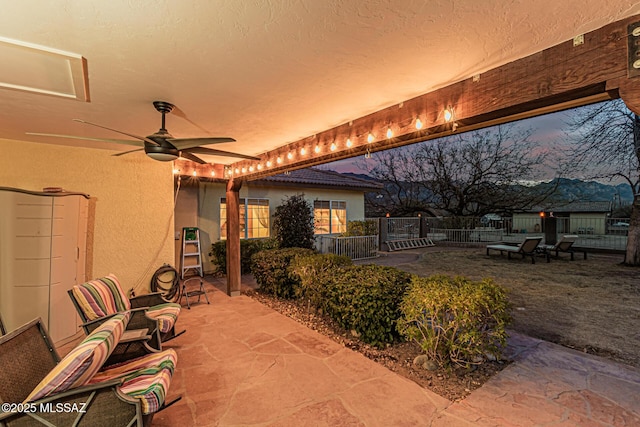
{"x":270,"y":268}
{"x":366,"y":299}
{"x":313,"y":272}
{"x":248,"y":248}
{"x":455,"y":320}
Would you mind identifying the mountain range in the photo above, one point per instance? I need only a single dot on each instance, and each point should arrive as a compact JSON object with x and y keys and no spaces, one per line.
{"x":573,"y":190}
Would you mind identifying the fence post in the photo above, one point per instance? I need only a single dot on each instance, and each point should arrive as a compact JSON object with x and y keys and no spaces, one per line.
{"x":383,"y":230}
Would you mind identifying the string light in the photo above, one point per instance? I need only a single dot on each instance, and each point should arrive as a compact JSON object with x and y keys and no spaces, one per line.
{"x":290,"y":155}
{"x":194,"y":173}
{"x":259,"y":166}
{"x":370,"y":138}
{"x":389,"y":133}
{"x":176,"y":171}
{"x":448,"y":114}
{"x":333,"y":146}
{"x":213,"y":173}
{"x":250,"y":168}
{"x":268,"y":163}
{"x":418,"y":124}
{"x":317,"y":149}
{"x":237,"y":170}
{"x":349,"y":143}
{"x":244,"y":170}
{"x":303,"y":151}
{"x":279,"y":160}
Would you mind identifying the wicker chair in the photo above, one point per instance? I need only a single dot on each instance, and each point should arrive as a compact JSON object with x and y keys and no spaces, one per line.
{"x":81,"y":396}
{"x":98,"y":299}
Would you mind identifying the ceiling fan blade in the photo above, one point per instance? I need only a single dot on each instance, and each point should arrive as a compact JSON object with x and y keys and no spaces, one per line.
{"x":117,"y":141}
{"x":212,"y":152}
{"x":141,"y":138}
{"x":189,"y":156}
{"x":127,"y":152}
{"x":183,"y":143}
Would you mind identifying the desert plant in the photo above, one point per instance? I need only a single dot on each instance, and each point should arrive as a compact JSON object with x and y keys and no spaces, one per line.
{"x":455,"y":320}
{"x":249,"y":247}
{"x":293,"y":223}
{"x":365,"y":299}
{"x":314,"y":271}
{"x":270,"y":268}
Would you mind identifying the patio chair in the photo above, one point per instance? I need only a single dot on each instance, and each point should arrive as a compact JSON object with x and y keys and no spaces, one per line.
{"x":98,"y":299}
{"x":48,"y":391}
{"x":565,"y":244}
{"x":526,"y":248}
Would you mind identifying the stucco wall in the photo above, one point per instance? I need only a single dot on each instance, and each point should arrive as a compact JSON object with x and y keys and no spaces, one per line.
{"x":132,"y":196}
{"x":209,"y":196}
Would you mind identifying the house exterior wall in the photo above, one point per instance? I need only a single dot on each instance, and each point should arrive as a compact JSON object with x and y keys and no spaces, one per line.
{"x":131,"y":206}
{"x":588,"y":223}
{"x":208,"y":207}
{"x":526,"y":221}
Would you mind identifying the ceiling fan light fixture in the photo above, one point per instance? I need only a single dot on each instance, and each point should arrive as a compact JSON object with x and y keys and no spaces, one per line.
{"x":163,"y":157}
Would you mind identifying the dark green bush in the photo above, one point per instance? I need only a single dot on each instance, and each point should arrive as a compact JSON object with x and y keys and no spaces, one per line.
{"x":366,"y":299}
{"x":293,"y":223}
{"x":314,"y":271}
{"x":271,"y":270}
{"x":218,"y":253}
{"x":455,"y":320}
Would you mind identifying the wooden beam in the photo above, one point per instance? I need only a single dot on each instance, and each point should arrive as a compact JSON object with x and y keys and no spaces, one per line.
{"x":234,"y":273}
{"x":561,"y":77}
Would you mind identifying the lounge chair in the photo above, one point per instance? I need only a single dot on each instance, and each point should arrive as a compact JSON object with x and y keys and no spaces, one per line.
{"x":565,"y":244}
{"x":526,"y":248}
{"x":98,"y":299}
{"x":48,"y":391}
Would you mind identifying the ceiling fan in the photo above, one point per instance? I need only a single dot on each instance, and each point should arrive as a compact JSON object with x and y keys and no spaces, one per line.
{"x":162,"y":145}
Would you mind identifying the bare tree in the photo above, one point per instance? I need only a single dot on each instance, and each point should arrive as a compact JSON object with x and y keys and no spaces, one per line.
{"x":468,"y":174}
{"x":606,"y":144}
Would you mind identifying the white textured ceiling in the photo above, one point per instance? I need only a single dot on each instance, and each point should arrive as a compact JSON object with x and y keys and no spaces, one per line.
{"x":270,"y":72}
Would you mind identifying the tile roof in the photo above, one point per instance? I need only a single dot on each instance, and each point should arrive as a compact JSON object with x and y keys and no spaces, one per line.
{"x":312,"y":177}
{"x":575,"y":207}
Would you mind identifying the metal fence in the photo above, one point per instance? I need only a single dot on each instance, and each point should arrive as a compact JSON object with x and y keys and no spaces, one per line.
{"x":356,"y":247}
{"x":593,"y":233}
{"x":403,"y":228}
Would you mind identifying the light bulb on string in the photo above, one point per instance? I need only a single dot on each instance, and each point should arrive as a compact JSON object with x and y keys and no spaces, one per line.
{"x":317,"y":149}
{"x":418,"y":124}
{"x":370,"y":138}
{"x":333,"y":146}
{"x":389,"y":133}
{"x":349,"y":143}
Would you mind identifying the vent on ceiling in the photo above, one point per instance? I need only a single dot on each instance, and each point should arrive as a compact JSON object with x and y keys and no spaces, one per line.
{"x":40,"y":69}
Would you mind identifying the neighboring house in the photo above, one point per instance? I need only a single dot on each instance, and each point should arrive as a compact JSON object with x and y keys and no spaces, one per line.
{"x":575,"y":218}
{"x":335,"y":198}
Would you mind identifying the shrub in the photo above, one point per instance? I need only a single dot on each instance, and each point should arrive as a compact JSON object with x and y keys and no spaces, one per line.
{"x":218,"y":253}
{"x":361,"y":228}
{"x":293,"y":223}
{"x":455,"y":320}
{"x":313,"y":272}
{"x":366,"y":299}
{"x":271,"y":270}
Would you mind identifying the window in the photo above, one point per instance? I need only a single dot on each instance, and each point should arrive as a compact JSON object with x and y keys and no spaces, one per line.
{"x":330,"y":216}
{"x":254,"y":218}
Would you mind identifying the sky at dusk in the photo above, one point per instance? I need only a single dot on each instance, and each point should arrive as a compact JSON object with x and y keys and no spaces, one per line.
{"x":547,"y":130}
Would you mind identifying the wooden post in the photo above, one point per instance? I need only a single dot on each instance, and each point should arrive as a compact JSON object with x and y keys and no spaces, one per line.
{"x":233,"y":237}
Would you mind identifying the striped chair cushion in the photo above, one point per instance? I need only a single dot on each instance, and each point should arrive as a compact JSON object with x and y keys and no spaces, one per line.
{"x":166,"y":315}
{"x":81,"y":364}
{"x":101,"y":297}
{"x":146,"y":378}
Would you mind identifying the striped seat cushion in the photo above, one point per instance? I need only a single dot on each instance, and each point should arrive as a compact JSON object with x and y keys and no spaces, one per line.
{"x":146,"y":378}
{"x":166,"y":315}
{"x":81,"y":364}
{"x":101,"y":297}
